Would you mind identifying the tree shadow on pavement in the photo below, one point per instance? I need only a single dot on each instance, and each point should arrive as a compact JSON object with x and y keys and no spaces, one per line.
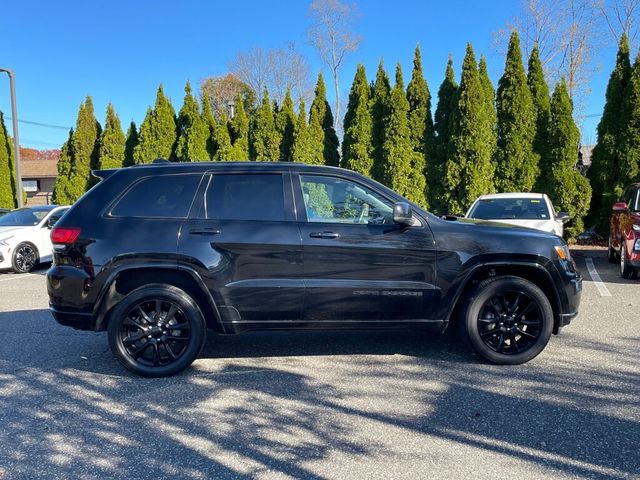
{"x":322,"y":405}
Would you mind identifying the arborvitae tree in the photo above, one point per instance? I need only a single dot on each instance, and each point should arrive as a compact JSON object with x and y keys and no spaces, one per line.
{"x":628,"y":170}
{"x":517,"y":163}
{"x":239,"y":133}
{"x":489,"y":99}
{"x":130,"y":144}
{"x":469,"y":168}
{"x":112,"y":142}
{"x":380,"y":97}
{"x":61,"y":187}
{"x":209,"y":122}
{"x":403,"y":168}
{"x":357,"y":149}
{"x":322,"y":110}
{"x":541,"y":107}
{"x":285,"y":125}
{"x":419,"y":97}
{"x":605,"y":156}
{"x":223,"y":140}
{"x":192,"y":131}
{"x":569,"y":190}
{"x":300,"y":151}
{"x":84,"y":151}
{"x":158,"y":132}
{"x":420,"y":121}
{"x":442,"y":125}
{"x":7,"y":169}
{"x":264,"y":141}
{"x":316,"y":139}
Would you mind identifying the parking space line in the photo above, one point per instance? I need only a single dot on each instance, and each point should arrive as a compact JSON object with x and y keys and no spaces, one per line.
{"x":595,"y":276}
{"x":16,"y":277}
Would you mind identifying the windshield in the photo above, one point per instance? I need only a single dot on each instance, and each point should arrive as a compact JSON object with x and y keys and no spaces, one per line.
{"x":23,"y":217}
{"x":510,"y":209}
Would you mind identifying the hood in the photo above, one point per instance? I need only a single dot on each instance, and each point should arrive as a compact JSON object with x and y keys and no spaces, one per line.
{"x":10,"y":231}
{"x":536,"y":224}
{"x":503,"y":227}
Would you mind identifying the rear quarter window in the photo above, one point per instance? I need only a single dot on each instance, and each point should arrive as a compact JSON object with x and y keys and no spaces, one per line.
{"x":162,"y":196}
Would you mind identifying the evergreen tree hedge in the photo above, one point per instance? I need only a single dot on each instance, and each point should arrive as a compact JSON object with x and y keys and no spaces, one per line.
{"x":112,"y":142}
{"x":357,"y":148}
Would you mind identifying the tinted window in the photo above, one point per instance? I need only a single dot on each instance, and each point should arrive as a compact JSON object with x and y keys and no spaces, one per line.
{"x":245,"y":197}
{"x":510,"y":208}
{"x":336,"y":200}
{"x":162,"y":196}
{"x":23,"y":217}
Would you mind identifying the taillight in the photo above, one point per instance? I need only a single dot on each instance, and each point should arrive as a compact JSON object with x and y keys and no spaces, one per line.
{"x":65,"y":236}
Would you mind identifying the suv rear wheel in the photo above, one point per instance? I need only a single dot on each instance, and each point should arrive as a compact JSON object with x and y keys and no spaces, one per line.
{"x":156,"y":330}
{"x":508,"y":320}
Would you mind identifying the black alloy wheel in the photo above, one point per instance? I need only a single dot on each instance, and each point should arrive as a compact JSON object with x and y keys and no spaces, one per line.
{"x":510,"y":322}
{"x":157,"y":330}
{"x":507,"y":320}
{"x":25,"y":258}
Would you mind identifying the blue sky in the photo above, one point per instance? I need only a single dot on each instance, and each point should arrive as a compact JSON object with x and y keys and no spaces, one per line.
{"x":120,"y":51}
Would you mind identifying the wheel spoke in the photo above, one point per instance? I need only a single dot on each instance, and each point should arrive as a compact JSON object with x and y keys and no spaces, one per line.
{"x":167,"y":347}
{"x":526,"y":334}
{"x":172,"y":312}
{"x":515,"y":304}
{"x":529,"y":307}
{"x":156,"y":354}
{"x":172,"y":338}
{"x":512,"y":341}
{"x":179,"y":326}
{"x":530,"y":321}
{"x":144,"y":315}
{"x":132,"y":323}
{"x":490,"y":332}
{"x":488,"y":320}
{"x":138,"y":351}
{"x":158,"y":312}
{"x":134,"y":338}
{"x":500,"y":346}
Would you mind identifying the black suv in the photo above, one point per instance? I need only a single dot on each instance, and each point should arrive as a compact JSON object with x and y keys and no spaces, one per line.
{"x":156,"y":254}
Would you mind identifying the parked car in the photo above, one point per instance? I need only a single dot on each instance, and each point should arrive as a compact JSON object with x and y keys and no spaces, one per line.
{"x":532,"y":210}
{"x":155,"y":254}
{"x":3,"y":211}
{"x":624,"y":232}
{"x":25,"y":237}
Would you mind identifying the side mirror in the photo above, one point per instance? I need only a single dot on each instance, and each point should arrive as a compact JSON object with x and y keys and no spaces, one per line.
{"x":51,"y":222}
{"x":563,"y":217}
{"x":620,"y":206}
{"x":403,"y":214}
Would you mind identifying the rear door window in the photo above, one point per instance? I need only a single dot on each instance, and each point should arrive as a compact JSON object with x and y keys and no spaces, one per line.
{"x":245,"y":197}
{"x":162,"y":196}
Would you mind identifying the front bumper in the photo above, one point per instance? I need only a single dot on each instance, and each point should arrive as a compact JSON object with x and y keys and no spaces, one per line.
{"x":5,"y":257}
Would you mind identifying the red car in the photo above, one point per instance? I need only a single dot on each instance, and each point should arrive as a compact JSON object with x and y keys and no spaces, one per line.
{"x":624,"y":239}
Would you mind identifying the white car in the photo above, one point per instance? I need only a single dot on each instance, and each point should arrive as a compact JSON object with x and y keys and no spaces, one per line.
{"x":532,"y":210}
{"x":24,"y":237}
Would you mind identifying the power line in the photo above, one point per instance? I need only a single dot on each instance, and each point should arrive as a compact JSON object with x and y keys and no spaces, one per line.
{"x":39,"y":124}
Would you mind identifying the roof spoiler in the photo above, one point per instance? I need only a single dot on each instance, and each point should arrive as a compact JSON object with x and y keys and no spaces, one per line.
{"x":103,"y":174}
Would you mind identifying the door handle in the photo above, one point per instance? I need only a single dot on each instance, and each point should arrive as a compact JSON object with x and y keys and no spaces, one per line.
{"x":330,"y":235}
{"x":204,"y":231}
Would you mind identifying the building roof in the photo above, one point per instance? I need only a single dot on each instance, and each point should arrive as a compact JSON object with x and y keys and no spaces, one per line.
{"x":38,"y":163}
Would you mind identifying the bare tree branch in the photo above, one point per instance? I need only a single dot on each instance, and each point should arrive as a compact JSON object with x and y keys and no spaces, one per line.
{"x":331,"y":34}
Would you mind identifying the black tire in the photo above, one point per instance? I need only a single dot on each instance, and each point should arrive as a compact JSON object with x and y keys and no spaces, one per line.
{"x":626,"y":270}
{"x":612,"y":254}
{"x":510,"y":331}
{"x":142,"y":338}
{"x":25,"y":258}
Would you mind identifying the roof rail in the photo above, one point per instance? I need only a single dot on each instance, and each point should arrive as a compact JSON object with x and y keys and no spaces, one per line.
{"x":160,"y":160}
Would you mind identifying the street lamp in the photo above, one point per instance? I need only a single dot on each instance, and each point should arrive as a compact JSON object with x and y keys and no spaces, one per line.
{"x":16,"y":141}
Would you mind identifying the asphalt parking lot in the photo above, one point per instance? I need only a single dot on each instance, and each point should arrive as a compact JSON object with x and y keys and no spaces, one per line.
{"x":324,"y":405}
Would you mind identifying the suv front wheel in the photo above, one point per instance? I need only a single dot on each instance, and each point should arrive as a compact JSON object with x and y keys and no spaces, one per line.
{"x":156,"y":330}
{"x":507,"y":320}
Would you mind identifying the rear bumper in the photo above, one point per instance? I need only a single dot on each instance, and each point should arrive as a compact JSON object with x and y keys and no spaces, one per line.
{"x":74,"y":319}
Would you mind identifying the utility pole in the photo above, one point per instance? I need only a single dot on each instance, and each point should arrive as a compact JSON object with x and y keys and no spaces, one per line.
{"x":16,"y":140}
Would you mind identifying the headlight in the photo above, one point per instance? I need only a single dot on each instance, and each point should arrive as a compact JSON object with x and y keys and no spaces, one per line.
{"x":4,"y":241}
{"x":636,"y":246}
{"x":636,"y":227}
